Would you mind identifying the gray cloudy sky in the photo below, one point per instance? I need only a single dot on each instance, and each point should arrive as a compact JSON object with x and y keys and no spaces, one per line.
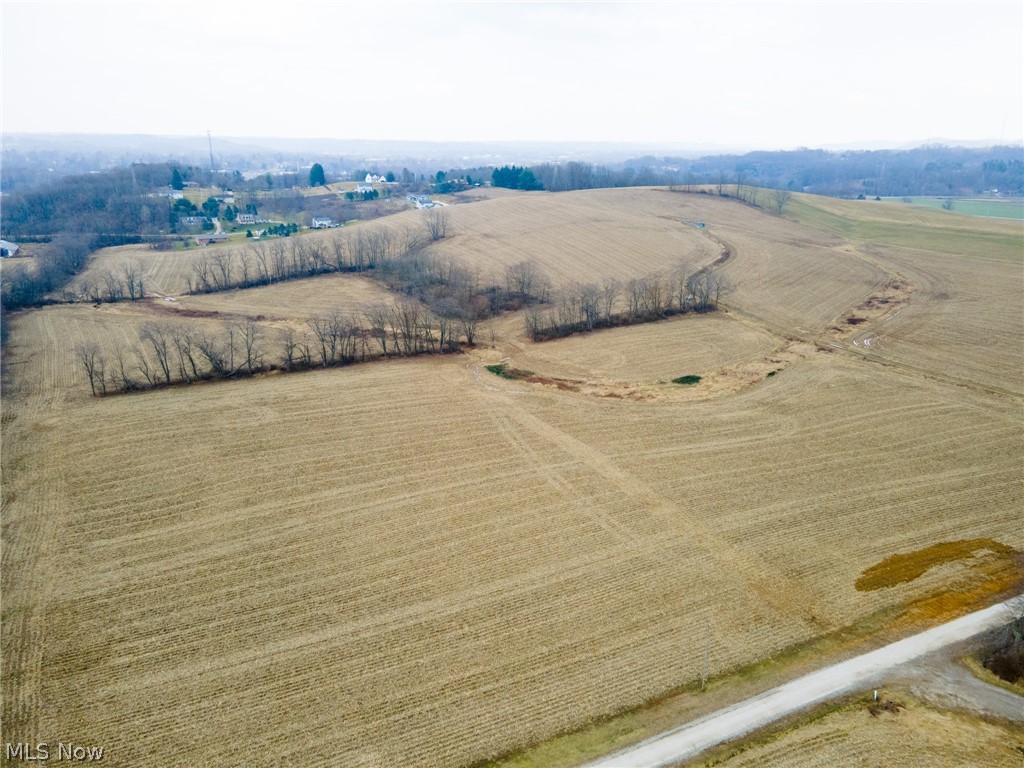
{"x":766,"y":74}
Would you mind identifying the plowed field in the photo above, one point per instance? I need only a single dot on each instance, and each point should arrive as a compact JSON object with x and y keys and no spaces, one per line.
{"x":419,"y":563}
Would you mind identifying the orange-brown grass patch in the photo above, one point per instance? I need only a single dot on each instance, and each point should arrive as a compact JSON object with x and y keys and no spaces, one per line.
{"x":990,"y":579}
{"x":908,"y":566}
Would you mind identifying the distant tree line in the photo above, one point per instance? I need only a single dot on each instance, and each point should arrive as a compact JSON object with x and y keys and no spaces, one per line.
{"x":109,"y":203}
{"x":930,"y":170}
{"x":934,"y":170}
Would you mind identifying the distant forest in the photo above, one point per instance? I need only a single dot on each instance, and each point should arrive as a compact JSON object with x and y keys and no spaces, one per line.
{"x":938,"y":170}
{"x":927,"y":170}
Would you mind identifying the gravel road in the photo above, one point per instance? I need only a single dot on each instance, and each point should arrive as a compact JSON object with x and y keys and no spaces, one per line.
{"x":861,"y":672}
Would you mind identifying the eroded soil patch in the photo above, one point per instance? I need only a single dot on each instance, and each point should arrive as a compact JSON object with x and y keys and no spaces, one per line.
{"x":882,"y":303}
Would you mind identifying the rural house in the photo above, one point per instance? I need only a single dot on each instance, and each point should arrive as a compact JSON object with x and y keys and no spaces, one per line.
{"x":246,"y":218}
{"x":7,"y":249}
{"x":322,"y":222}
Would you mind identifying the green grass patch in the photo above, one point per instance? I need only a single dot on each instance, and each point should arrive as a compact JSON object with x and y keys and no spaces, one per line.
{"x":910,"y":227}
{"x":690,"y":379}
{"x":499,"y":369}
{"x":990,"y":209}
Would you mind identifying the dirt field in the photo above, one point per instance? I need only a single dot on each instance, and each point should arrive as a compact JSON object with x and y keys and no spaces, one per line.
{"x":294,"y":299}
{"x":418,"y":563}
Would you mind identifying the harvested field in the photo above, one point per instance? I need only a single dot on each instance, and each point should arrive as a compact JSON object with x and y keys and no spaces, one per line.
{"x":418,"y":563}
{"x":585,"y":236}
{"x":649,"y":353}
{"x":965,"y":318}
{"x":916,"y":736}
{"x":164,"y":271}
{"x":295,"y":299}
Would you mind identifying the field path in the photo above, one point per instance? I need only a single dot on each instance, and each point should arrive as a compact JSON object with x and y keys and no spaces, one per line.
{"x":778,"y":594}
{"x":693,"y":738}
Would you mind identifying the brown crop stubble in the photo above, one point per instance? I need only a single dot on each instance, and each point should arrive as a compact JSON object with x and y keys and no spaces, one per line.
{"x":399,"y":564}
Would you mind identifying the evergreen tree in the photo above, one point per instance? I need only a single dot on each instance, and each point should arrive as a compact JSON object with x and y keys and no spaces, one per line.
{"x":176,"y":182}
{"x":316,"y":175}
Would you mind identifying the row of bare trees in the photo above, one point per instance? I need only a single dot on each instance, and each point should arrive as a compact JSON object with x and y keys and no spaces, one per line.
{"x":586,"y":307}
{"x":110,"y":285}
{"x":270,"y":261}
{"x":168,"y":353}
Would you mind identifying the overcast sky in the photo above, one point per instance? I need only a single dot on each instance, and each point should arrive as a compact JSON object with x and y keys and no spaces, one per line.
{"x":766,"y":75}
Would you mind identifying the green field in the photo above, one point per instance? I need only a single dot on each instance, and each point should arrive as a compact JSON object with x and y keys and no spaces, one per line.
{"x":993,"y":209}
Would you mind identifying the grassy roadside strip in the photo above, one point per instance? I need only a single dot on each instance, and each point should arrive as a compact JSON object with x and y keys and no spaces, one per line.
{"x":979,"y":671}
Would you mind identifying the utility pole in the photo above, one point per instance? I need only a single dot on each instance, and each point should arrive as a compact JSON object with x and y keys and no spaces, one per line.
{"x":707,"y":657}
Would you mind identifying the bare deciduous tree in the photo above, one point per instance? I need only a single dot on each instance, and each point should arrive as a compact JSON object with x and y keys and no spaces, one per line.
{"x":159,"y":339}
{"x":779,"y":200}
{"x":95,"y":366}
{"x":377,"y":318}
{"x":249,"y":334}
{"x":436,"y":223}
{"x":133,"y":279}
{"x":610,"y":289}
{"x":524,"y":281}
{"x":115,"y":291}
{"x":222,"y":269}
{"x":121,"y":376}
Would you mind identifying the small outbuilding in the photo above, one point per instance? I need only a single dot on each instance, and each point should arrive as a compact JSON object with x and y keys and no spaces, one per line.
{"x":213,"y":237}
